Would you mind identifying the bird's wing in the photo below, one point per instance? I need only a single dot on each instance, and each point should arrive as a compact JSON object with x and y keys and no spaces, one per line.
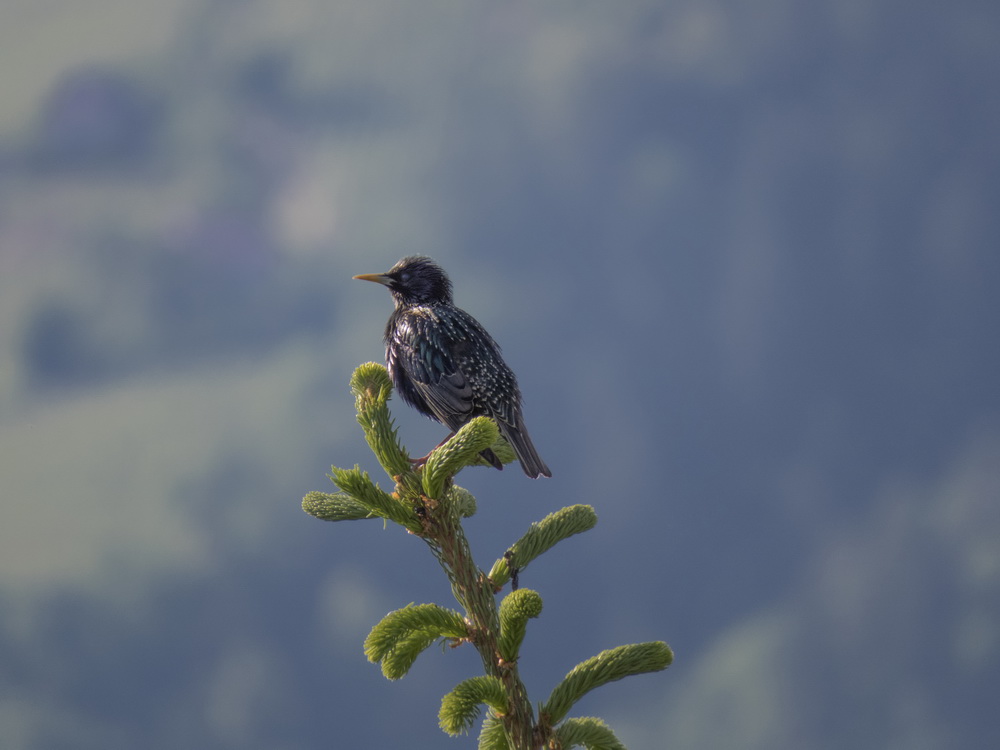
{"x":426,"y":352}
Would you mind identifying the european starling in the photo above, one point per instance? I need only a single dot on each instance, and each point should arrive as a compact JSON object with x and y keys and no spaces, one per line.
{"x":443,"y":362}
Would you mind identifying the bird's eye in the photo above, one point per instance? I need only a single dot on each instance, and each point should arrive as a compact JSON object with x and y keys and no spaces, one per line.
{"x":404,"y":276}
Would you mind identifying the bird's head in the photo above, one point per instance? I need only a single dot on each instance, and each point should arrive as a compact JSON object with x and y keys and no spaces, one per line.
{"x":415,"y":280}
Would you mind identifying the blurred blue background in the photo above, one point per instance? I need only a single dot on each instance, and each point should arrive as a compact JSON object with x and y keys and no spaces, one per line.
{"x":743,"y":256}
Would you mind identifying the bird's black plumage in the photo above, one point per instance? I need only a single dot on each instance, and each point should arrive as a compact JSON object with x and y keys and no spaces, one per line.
{"x":444,"y":363}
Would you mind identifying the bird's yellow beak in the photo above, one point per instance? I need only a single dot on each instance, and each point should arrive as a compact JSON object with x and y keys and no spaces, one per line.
{"x":378,"y":278}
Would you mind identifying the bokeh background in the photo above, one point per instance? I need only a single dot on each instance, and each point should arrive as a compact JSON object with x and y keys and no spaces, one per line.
{"x":743,"y":256}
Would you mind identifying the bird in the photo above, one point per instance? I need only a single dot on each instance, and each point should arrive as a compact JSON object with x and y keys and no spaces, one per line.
{"x":444,"y":363}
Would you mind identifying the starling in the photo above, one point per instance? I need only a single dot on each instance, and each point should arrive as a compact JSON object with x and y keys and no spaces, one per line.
{"x":444,"y":364}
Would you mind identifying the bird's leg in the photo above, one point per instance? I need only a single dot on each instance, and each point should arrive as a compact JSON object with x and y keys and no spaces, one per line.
{"x":418,"y":462}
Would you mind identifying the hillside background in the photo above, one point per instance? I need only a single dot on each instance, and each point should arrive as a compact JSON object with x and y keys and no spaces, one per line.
{"x":745,"y":258}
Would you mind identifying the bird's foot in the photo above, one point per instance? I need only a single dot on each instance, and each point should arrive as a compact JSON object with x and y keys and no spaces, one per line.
{"x":419,"y":462}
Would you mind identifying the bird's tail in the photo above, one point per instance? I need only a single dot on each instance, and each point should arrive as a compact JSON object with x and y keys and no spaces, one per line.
{"x":520,"y":441}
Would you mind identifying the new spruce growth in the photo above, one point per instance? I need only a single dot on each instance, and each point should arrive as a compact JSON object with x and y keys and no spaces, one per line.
{"x":431,"y":506}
